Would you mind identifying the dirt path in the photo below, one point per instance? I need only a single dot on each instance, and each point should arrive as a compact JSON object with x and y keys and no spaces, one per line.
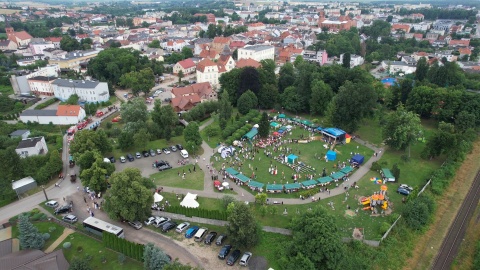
{"x":428,"y":244}
{"x":53,"y":246}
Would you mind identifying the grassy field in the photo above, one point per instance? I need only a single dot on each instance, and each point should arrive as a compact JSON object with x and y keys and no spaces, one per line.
{"x":214,"y":141}
{"x":96,"y":250}
{"x":205,"y":203}
{"x":6,"y":90}
{"x":9,"y":11}
{"x":52,"y":228}
{"x":173,"y":178}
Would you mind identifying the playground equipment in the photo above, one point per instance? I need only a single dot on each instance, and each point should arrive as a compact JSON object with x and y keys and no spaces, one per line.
{"x":376,"y":199}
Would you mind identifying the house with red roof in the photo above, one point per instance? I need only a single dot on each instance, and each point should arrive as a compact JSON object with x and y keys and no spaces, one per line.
{"x":219,"y":43}
{"x":256,"y":26}
{"x":236,"y":44}
{"x":247,"y":63}
{"x":21,"y":38}
{"x":209,"y":71}
{"x":459,"y":43}
{"x":400,"y":27}
{"x":464,"y":51}
{"x":227,"y":61}
{"x":185,"y":98}
{"x":187,"y":66}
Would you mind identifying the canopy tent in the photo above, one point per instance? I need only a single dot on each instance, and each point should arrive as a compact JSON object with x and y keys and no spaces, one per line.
{"x":291,"y":158}
{"x":337,"y":175}
{"x":335,"y":133}
{"x":357,"y":159}
{"x":346,"y":170}
{"x":387,"y":175}
{"x":274,"y":187}
{"x":242,"y":178}
{"x":296,"y":120}
{"x":255,"y":184}
{"x":251,"y":134}
{"x":226,"y":151}
{"x":225,"y":184}
{"x":319,"y":128}
{"x":276,"y":134}
{"x":292,"y":186}
{"x":231,"y":171}
{"x":309,"y":183}
{"x":306,"y":122}
{"x":281,"y":115}
{"x":157,"y":197}
{"x":274,"y":124}
{"x":256,"y":126}
{"x":190,"y":201}
{"x":289,"y":127}
{"x":324,"y":180}
{"x":331,"y":155}
{"x":216,"y":183}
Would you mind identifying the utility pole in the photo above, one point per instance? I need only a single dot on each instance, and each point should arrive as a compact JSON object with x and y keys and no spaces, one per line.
{"x":45,"y":193}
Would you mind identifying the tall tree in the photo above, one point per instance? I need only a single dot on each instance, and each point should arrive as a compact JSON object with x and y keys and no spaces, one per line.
{"x":165,"y":117}
{"x":402,"y":128}
{"x":30,"y":237}
{"x":346,"y":60}
{"x":230,"y":82}
{"x":242,"y":229}
{"x":154,"y":258}
{"x":247,"y":101}
{"x":317,"y":233}
{"x":90,"y":140}
{"x":286,"y":77}
{"x":322,"y":94}
{"x":141,"y":138}
{"x":464,"y":121}
{"x":225,"y":110}
{"x":129,"y":198}
{"x":264,"y":126}
{"x":249,"y":80}
{"x":422,"y":69}
{"x":191,"y":133}
{"x":180,"y":76}
{"x":134,"y":111}
{"x":139,"y":81}
{"x":290,"y":99}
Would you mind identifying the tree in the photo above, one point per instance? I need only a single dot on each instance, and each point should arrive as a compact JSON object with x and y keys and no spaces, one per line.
{"x":225,"y":110}
{"x":322,"y":94}
{"x":230,"y":82}
{"x":175,"y":265}
{"x":314,"y":231}
{"x":154,"y":44}
{"x":346,"y":60}
{"x":264,"y":126}
{"x":95,"y":176}
{"x":129,"y":198}
{"x":141,"y":81}
{"x":247,"y":102}
{"x":67,"y":43}
{"x":141,"y":138}
{"x":464,"y":121}
{"x":249,"y":80}
{"x":268,"y":96}
{"x":154,"y":258}
{"x":401,"y":129}
{"x":191,"y":133}
{"x":180,"y":76}
{"x":187,"y":52}
{"x":134,"y":111}
{"x":30,"y":237}
{"x":242,"y":229}
{"x":73,"y":99}
{"x":286,"y":77}
{"x":165,"y":117}
{"x":90,"y":140}
{"x":422,"y":69}
{"x":291,"y":100}
{"x":79,"y":263}
{"x":417,"y":212}
{"x":261,"y":198}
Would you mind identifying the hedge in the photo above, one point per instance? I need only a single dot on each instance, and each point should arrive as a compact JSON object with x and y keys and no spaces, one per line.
{"x":130,"y":249}
{"x":197,"y":212}
{"x":46,"y":104}
{"x":230,"y":129}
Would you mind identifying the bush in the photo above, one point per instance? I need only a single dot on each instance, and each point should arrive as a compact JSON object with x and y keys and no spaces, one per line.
{"x":46,"y":104}
{"x":46,"y":236}
{"x":384,"y":227}
{"x":52,"y":229}
{"x":38,"y":216}
{"x":67,"y":245}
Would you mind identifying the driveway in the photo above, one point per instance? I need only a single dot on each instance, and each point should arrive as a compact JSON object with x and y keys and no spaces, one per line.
{"x":145,"y":163}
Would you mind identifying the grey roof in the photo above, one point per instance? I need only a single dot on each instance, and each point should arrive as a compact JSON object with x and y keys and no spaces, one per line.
{"x":76,"y":83}
{"x":258,"y":48}
{"x":5,"y":247}
{"x":5,"y":42}
{"x":27,"y":143}
{"x":19,"y":132}
{"x":34,"y":259}
{"x":39,"y":113}
{"x":43,"y":78}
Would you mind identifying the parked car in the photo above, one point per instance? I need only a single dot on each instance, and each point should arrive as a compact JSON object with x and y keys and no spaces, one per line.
{"x":62,"y":209}
{"x":52,"y":203}
{"x":179,"y":147}
{"x":200,"y":234}
{"x":173,"y":148}
{"x":152,"y":153}
{"x":149,"y":221}
{"x":138,"y":155}
{"x":159,"y":151}
{"x":403,"y":191}
{"x":180,"y":228}
{"x":112,"y":159}
{"x":233,"y":257}
{"x":122,"y":159}
{"x":191,"y":232}
{"x":160,"y":221}
{"x":407,"y":187}
{"x":224,"y":251}
{"x":70,"y":218}
{"x":245,"y":258}
{"x":135,"y":224}
{"x":168,"y":226}
{"x":184,"y":153}
{"x":220,"y":239}
{"x":166,"y":151}
{"x":145,"y":153}
{"x":210,"y":237}
{"x":130,"y":157}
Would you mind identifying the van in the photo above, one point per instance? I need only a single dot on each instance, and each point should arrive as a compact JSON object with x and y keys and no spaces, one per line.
{"x":200,"y":234}
{"x":122,"y":159}
{"x":184,"y":153}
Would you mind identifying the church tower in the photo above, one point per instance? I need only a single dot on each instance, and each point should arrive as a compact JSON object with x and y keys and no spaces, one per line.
{"x":9,"y":29}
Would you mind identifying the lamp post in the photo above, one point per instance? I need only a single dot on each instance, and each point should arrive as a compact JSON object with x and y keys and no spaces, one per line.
{"x":45,"y":193}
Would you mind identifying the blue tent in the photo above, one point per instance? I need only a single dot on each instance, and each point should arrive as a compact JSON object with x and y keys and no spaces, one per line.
{"x":335,"y":133}
{"x":358,"y":159}
{"x":331,"y":155}
{"x":291,"y":158}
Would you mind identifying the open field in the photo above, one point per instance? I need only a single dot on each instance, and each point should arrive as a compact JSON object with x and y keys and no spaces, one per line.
{"x":173,"y":178}
{"x":9,"y":11}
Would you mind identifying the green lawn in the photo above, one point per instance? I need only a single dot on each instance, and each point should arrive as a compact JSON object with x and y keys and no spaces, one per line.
{"x":54,"y":229}
{"x":212,"y":141}
{"x":173,"y":178}
{"x":6,"y":90}
{"x":96,"y":250}
{"x":205,"y":203}
{"x":370,"y":131}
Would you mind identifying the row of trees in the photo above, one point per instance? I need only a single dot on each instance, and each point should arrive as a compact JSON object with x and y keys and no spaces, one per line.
{"x":130,"y":249}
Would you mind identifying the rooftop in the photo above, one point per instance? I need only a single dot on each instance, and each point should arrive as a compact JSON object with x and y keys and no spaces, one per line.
{"x":257,"y":48}
{"x":30,"y":142}
{"x":76,"y":83}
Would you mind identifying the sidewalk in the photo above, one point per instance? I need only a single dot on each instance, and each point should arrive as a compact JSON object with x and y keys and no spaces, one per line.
{"x":53,"y":246}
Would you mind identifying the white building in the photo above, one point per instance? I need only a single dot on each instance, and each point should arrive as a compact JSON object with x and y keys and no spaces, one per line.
{"x":32,"y":147}
{"x":88,"y":91}
{"x":257,"y":52}
{"x":208,"y":71}
{"x":38,"y":47}
{"x":63,"y":115}
{"x":41,"y":85}
{"x":355,"y":60}
{"x":398,"y":66}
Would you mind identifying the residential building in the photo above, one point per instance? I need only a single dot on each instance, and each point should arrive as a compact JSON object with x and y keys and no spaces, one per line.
{"x":20,"y":83}
{"x":399,"y":66}
{"x":32,"y":147}
{"x":209,"y":71}
{"x":256,"y":26}
{"x":31,"y":258}
{"x":41,"y":85}
{"x":187,"y":66}
{"x":55,"y":41}
{"x":63,"y":115}
{"x":87,"y":91}
{"x":22,"y":38}
{"x":257,"y":52}
{"x":185,"y":98}
{"x":7,"y":45}
{"x":355,"y":60}
{"x":38,"y":47}
{"x":21,"y":133}
{"x":219,"y":43}
{"x":341,"y":23}
{"x":227,"y":61}
{"x":320,"y":57}
{"x":72,"y":60}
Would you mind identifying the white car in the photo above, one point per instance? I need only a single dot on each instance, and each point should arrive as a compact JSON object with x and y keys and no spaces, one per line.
{"x":182,"y":227}
{"x":122,"y":159}
{"x":407,"y":187}
{"x":149,"y":221}
{"x":52,"y":204}
{"x":159,"y":221}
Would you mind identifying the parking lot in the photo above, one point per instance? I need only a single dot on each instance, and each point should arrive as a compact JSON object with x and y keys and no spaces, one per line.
{"x":145,"y":163}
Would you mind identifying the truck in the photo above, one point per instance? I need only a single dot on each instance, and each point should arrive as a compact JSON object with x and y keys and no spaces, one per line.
{"x":71,"y":162}
{"x":71,"y":130}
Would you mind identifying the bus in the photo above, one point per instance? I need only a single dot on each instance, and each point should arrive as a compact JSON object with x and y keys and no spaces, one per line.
{"x":97,"y":226}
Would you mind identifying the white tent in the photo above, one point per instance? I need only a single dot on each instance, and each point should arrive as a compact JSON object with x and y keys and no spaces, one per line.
{"x":190,"y":201}
{"x":157,"y":197}
{"x":256,"y":126}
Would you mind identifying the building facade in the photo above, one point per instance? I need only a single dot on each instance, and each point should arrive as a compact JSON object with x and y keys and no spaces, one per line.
{"x":257,"y":52}
{"x":32,"y":147}
{"x":41,"y":85}
{"x":87,"y":91}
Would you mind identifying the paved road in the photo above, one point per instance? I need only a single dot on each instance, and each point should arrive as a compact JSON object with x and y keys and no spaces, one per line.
{"x":451,"y":243}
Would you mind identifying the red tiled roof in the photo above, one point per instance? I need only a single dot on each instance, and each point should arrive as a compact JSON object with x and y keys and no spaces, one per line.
{"x":205,"y":63}
{"x":53,"y":39}
{"x":247,"y":63}
{"x":23,"y":35}
{"x":221,"y":40}
{"x":462,"y":42}
{"x":68,"y":110}
{"x":187,"y":63}
{"x":465,"y":51}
